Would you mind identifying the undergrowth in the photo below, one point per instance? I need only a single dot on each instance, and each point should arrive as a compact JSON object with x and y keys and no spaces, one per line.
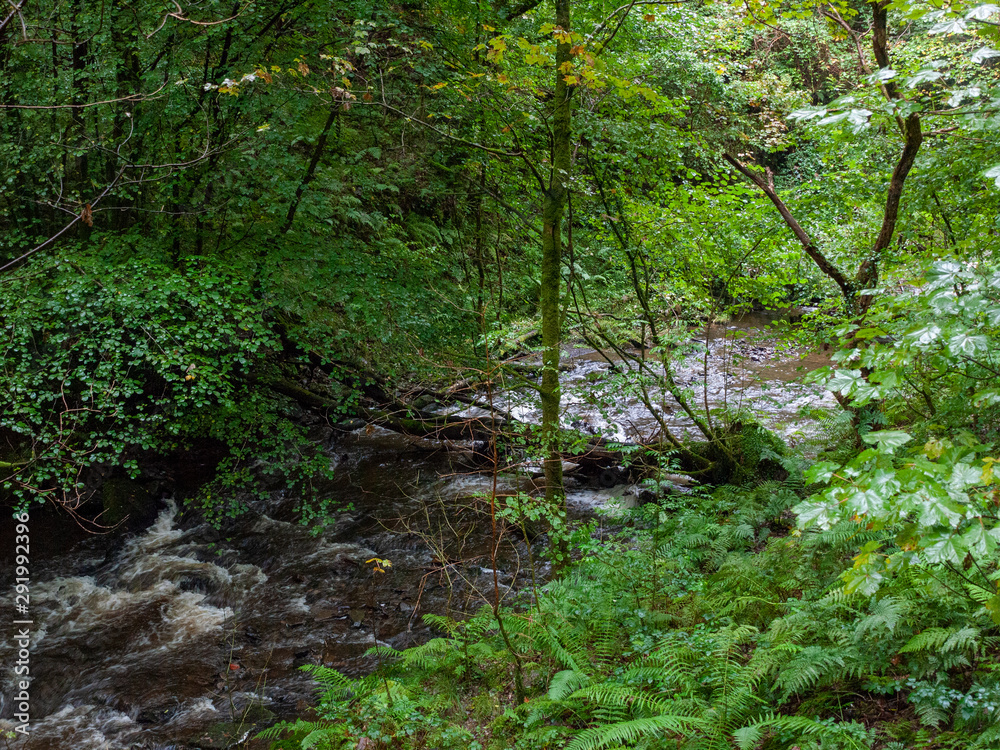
{"x":708,"y":622}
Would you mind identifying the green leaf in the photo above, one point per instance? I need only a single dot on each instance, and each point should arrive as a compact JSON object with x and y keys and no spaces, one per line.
{"x":949,"y":26}
{"x":882,"y":75}
{"x":831,"y":119}
{"x":887,"y":439}
{"x":947,"y":548}
{"x":807,"y":113}
{"x":984,"y":53}
{"x":983,"y":12}
{"x":925,"y":75}
{"x":961,"y":95}
{"x":859,"y":119}
{"x":844,"y":381}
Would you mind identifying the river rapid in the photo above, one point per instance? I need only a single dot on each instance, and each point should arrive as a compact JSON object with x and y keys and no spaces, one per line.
{"x":183,"y":636}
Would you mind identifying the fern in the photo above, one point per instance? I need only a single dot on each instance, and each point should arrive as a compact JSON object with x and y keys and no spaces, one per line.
{"x":565,"y":683}
{"x":943,"y":640}
{"x":749,"y":737}
{"x":816,"y":664}
{"x":885,"y":614}
{"x":628,"y":732}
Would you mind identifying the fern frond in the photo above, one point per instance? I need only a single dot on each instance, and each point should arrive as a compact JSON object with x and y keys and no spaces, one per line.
{"x":942,"y":640}
{"x":815,"y":664}
{"x":628,"y":732}
{"x":749,"y":736}
{"x":565,"y":683}
{"x":884,"y":614}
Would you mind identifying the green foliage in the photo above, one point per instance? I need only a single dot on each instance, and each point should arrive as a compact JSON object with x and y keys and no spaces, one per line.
{"x":105,"y":364}
{"x":937,"y":493}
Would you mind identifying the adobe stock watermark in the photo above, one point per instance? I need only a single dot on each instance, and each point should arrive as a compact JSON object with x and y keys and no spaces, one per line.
{"x":21,"y":626}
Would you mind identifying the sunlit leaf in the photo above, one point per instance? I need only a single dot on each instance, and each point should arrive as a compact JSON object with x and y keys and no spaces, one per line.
{"x":984,"y":53}
{"x":982,"y":12}
{"x":925,"y":75}
{"x":950,"y":26}
{"x":887,"y":439}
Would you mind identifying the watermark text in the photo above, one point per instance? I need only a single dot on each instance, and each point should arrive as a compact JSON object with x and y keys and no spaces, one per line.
{"x":22,"y":625}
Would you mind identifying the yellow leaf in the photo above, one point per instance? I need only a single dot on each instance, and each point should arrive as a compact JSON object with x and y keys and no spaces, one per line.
{"x":571,"y":80}
{"x":649,"y":17}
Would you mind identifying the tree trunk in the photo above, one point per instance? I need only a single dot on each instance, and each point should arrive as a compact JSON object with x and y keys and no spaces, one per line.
{"x":553,"y":208}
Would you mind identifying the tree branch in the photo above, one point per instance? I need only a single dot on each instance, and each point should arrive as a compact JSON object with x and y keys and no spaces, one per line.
{"x":767,"y":187}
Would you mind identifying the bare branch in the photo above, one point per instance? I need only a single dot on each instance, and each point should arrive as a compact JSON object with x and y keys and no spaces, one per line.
{"x":61,"y":232}
{"x":129,"y":98}
{"x":15,"y":12}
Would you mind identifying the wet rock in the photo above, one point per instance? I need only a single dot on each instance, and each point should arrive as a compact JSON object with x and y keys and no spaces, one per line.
{"x":126,"y":500}
{"x":157,"y":714}
{"x":323,"y":611}
{"x":405,"y":608}
{"x":224,"y":735}
{"x":610,"y":477}
{"x":356,"y":617}
{"x":680,"y":479}
{"x":642,"y":495}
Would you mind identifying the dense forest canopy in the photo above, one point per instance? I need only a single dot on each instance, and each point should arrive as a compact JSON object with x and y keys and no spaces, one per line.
{"x":224,"y":224}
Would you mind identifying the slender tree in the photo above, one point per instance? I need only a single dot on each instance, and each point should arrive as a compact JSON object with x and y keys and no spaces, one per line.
{"x":553,"y":209}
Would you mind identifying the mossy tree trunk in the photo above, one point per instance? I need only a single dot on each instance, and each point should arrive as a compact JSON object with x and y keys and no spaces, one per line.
{"x":553,"y":209}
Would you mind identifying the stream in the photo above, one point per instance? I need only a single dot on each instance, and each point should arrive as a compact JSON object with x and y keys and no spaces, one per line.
{"x":182,"y":636}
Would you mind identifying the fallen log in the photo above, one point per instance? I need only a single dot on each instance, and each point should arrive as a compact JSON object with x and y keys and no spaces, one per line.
{"x":462,"y":433}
